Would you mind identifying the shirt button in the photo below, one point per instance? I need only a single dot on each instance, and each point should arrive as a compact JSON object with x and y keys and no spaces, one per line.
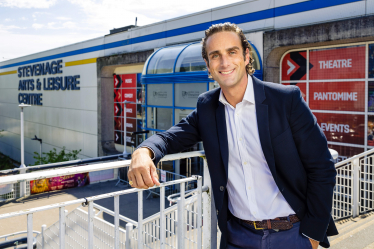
{"x":222,"y":188}
{"x":245,"y":163}
{"x":240,"y":139}
{"x":249,"y":188}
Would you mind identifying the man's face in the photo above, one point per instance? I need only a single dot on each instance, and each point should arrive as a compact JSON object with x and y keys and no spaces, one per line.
{"x":226,"y":62}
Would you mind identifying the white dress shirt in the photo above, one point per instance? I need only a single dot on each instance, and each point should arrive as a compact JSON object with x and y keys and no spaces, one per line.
{"x":253,"y":193}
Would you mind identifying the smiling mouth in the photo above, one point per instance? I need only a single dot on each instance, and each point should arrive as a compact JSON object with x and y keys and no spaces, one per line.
{"x":226,"y":72}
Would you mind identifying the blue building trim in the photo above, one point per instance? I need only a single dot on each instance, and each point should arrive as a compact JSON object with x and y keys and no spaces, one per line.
{"x":250,"y":17}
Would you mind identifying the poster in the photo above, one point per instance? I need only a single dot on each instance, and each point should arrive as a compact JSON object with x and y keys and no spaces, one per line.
{"x":58,"y":183}
{"x":294,"y":66}
{"x":342,"y":128}
{"x":337,"y":96}
{"x":302,"y":87}
{"x":337,"y":63}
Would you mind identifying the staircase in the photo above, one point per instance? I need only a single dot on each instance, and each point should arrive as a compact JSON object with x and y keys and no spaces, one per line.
{"x":354,"y":233}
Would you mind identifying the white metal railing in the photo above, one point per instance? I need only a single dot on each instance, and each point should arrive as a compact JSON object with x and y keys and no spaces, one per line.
{"x":354,"y":190}
{"x":152,"y":232}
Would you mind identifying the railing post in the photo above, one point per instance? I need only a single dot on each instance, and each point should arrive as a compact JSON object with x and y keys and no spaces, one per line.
{"x":116,"y":222}
{"x":181,"y":228}
{"x":140,"y":219}
{"x":209,"y":215}
{"x":129,"y":228}
{"x":43,"y":235}
{"x":62,"y":224}
{"x":162,"y":218}
{"x":30,"y":237}
{"x":356,"y":188}
{"x":199,"y":211}
{"x":90,"y":225}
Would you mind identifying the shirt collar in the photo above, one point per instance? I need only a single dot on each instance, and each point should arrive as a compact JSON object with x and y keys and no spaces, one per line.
{"x":248,"y":95}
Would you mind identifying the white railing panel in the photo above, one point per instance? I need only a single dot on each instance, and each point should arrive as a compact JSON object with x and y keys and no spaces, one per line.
{"x":342,"y":199}
{"x":367,"y":184}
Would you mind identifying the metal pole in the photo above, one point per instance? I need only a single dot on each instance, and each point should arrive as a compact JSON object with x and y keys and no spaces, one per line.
{"x":62,"y":225}
{"x":140,"y":219}
{"x":181,"y":227}
{"x":23,"y":183}
{"x":125,"y":130}
{"x":129,"y":228}
{"x":116,"y":222}
{"x":209,"y":215}
{"x":90,"y":225}
{"x":44,"y":227}
{"x":30,"y":237}
{"x":356,"y":188}
{"x":162,"y":218}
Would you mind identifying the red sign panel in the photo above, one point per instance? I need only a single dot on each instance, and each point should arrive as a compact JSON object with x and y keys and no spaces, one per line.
{"x":128,"y":80}
{"x":130,"y":125}
{"x":117,"y":81}
{"x":294,"y":66}
{"x":337,"y":63}
{"x":343,"y":128}
{"x":302,"y":87}
{"x":339,"y":96}
{"x":128,"y":94}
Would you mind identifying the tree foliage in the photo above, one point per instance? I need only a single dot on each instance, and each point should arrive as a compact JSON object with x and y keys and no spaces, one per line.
{"x":53,"y":157}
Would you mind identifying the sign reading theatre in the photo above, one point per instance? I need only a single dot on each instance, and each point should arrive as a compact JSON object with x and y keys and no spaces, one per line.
{"x":47,"y":83}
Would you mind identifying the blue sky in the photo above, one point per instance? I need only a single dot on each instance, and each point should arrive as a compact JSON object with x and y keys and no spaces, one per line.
{"x":31,"y":26}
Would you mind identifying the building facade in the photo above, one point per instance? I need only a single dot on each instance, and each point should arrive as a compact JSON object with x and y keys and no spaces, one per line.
{"x":77,"y":92}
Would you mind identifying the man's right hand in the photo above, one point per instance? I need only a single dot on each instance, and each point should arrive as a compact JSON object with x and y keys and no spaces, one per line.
{"x":142,"y":171}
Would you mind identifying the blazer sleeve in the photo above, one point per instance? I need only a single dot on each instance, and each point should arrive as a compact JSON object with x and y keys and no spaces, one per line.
{"x":178,"y":138}
{"x":318,"y":163}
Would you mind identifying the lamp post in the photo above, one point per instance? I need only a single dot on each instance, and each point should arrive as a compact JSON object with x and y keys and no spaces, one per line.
{"x":23,"y":166}
{"x":40,"y":141}
{"x":125,"y":154}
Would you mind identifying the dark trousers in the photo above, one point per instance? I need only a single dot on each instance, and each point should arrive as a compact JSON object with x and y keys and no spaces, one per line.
{"x":243,"y":235}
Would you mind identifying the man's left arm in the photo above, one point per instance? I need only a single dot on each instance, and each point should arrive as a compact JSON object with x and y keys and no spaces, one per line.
{"x":313,"y":151}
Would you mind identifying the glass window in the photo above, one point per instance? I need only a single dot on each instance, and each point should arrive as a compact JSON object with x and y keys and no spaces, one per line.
{"x":159,"y":118}
{"x":163,"y":61}
{"x":186,"y":94}
{"x":181,"y":114}
{"x":191,"y":59}
{"x":256,"y":63}
{"x":160,"y":94}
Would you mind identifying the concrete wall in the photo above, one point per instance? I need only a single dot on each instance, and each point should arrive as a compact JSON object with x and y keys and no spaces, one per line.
{"x":276,"y":43}
{"x":105,"y":87}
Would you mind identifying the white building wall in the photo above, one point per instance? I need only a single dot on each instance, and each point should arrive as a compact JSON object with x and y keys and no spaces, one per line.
{"x":69,"y":118}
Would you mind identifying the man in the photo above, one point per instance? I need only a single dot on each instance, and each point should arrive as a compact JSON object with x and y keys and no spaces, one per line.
{"x":272,"y":187}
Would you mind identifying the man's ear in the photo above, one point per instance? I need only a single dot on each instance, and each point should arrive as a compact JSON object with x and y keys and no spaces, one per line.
{"x":246,"y":59}
{"x":207,"y":65}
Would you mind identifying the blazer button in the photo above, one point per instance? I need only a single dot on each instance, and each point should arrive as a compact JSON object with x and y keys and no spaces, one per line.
{"x":222,"y":188}
{"x":217,"y":212}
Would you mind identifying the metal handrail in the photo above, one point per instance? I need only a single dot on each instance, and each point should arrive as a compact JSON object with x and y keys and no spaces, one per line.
{"x":88,"y":168}
{"x":17,"y":233}
{"x":348,"y":160}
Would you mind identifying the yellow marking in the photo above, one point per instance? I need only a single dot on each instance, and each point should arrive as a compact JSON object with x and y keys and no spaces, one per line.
{"x":9,"y":72}
{"x":80,"y":62}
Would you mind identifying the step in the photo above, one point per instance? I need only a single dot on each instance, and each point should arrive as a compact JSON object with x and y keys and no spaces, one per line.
{"x":356,"y":233}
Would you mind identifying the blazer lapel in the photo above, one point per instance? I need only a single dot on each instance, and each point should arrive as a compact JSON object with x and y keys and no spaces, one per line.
{"x":263,"y":124}
{"x":222,"y":135}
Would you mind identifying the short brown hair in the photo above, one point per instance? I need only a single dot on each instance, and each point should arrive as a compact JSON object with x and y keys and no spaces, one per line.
{"x":216,"y":28}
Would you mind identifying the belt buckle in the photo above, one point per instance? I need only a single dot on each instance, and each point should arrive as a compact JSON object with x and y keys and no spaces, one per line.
{"x":254,"y":224}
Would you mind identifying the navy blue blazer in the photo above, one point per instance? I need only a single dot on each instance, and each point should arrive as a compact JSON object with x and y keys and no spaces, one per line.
{"x":294,"y":146}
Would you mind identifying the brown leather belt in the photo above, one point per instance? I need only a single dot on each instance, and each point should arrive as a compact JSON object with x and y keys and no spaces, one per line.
{"x":282,"y":223}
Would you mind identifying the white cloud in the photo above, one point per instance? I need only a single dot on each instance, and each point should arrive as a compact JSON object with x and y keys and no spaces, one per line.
{"x":7,"y":20}
{"x":6,"y":28}
{"x":23,"y":18}
{"x":63,"y":18}
{"x":37,"y":26}
{"x":40,"y":4}
{"x":69,"y":25}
